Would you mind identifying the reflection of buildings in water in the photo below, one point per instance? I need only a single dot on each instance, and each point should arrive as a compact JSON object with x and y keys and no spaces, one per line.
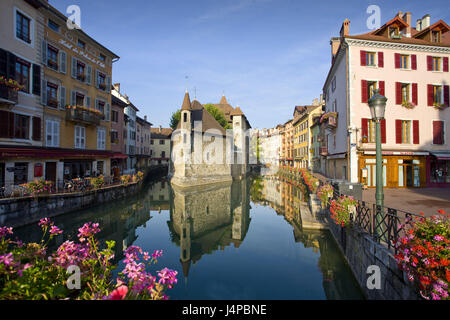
{"x":159,"y":196}
{"x":288,"y":198}
{"x":208,"y":218}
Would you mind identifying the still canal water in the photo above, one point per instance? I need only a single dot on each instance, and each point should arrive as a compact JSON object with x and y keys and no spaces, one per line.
{"x":228,"y":241}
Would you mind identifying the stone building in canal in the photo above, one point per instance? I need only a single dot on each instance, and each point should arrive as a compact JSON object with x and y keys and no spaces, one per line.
{"x":208,"y":218}
{"x":203,"y":152}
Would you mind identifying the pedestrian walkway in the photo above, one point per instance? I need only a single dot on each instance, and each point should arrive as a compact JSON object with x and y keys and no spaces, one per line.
{"x":428,"y":200}
{"x":413,"y":200}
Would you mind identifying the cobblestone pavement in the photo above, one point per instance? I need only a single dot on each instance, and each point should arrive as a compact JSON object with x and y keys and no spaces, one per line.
{"x":428,"y":200}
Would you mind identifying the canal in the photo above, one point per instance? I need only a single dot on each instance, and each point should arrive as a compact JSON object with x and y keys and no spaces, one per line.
{"x":240,"y":240}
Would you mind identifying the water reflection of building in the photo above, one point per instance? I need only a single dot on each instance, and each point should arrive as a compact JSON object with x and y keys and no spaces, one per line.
{"x":159,"y":195}
{"x":288,"y":198}
{"x":209,"y":218}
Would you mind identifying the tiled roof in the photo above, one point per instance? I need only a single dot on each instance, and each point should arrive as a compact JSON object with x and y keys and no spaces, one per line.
{"x":186,"y":102}
{"x":165,"y":133}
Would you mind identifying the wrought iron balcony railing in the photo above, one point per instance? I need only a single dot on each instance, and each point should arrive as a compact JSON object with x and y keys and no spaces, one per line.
{"x":8,"y":94}
{"x":82,"y":116}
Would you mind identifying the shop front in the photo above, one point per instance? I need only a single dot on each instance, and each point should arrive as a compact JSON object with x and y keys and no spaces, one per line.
{"x":438,"y":170}
{"x":400,"y":169}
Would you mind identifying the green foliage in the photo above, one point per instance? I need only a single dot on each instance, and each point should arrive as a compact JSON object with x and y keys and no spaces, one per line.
{"x":218,"y":115}
{"x":175,"y":118}
{"x":213,"y":110}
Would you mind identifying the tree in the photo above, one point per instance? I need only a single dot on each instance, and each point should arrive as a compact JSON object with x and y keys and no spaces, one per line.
{"x":212,"y":109}
{"x":176,"y":116}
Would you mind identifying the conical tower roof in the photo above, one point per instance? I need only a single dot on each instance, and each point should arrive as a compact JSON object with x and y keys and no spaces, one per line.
{"x":237,"y":112}
{"x":223,"y":100}
{"x":186,"y":102}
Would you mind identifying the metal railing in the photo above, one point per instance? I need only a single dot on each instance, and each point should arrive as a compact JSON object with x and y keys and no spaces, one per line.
{"x":384,"y":225}
{"x":9,"y":189}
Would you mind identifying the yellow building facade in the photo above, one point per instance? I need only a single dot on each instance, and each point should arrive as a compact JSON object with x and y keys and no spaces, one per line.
{"x":76,"y":95}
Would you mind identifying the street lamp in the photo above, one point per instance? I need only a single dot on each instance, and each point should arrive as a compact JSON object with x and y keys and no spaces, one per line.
{"x":377,"y":105}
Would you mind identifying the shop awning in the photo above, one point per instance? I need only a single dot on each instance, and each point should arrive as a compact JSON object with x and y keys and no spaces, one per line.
{"x":441,"y":155}
{"x":43,"y":152}
{"x":119,"y":156}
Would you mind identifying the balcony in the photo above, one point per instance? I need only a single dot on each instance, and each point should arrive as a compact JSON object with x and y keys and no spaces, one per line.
{"x":83,"y":115}
{"x":323,"y":150}
{"x":8,"y":95}
{"x":331,"y":120}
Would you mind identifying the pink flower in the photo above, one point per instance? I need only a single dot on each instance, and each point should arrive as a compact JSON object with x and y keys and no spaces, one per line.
{"x":438,"y":237}
{"x":88,"y":230}
{"x":55,"y":230}
{"x":44,"y":222}
{"x":119,"y":293}
{"x":6,"y":259}
{"x":4,"y":231}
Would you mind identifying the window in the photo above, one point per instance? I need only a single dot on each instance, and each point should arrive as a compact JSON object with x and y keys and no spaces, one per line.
{"x":152,"y":141}
{"x":23,"y":74}
{"x":333,"y":84}
{"x":101,"y":106}
{"x":114,"y":136}
{"x":101,"y":80}
{"x":436,"y":36}
{"x":371,"y":133}
{"x":52,"y":133}
{"x":370,"y":58}
{"x":20,"y":172}
{"x":101,"y":139}
{"x":437,"y":94}
{"x":79,"y":99}
{"x":394,"y":32}
{"x":81,"y":44}
{"x":52,"y":57}
{"x":80,"y":71}
{"x":406,"y":131}
{"x":23,"y":27}
{"x":436,"y":64}
{"x":438,"y":132}
{"x":371,"y":87}
{"x":102,"y":57}
{"x":184,"y":117}
{"x":80,"y":137}
{"x":404,"y":61}
{"x":406,"y":92}
{"x":161,"y":141}
{"x":52,"y":25}
{"x":52,"y":98}
{"x":163,"y":154}
{"x":21,"y":126}
{"x":115,"y":116}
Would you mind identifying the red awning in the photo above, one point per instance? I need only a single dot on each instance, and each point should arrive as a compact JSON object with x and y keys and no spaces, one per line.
{"x":11,"y":152}
{"x":119,"y":156}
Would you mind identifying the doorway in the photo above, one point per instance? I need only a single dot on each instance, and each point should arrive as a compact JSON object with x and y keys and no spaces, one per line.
{"x":408,"y":173}
{"x":50,"y":171}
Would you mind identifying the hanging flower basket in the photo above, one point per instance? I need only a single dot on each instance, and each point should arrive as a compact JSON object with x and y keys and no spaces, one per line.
{"x":10,"y":83}
{"x":342,"y":209}
{"x":325,"y":193}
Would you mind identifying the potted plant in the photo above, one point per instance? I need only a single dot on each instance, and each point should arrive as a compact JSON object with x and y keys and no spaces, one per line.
{"x":342,"y":209}
{"x":364,"y":139}
{"x":423,"y":254}
{"x":439,"y":106}
{"x":325,"y":193}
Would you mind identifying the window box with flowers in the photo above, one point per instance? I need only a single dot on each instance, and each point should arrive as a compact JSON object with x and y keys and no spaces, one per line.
{"x":81,"y":77}
{"x":439,"y":106}
{"x":52,"y":102}
{"x":52,"y":64}
{"x":9,"y":89}
{"x":83,"y":114}
{"x":342,"y":210}
{"x":102,"y":86}
{"x":408,"y":105}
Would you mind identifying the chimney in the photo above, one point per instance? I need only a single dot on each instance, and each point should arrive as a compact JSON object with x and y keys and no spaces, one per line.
{"x":400,"y":15}
{"x":117,"y":87}
{"x":145,"y":118}
{"x":334,"y":42}
{"x":160,"y":128}
{"x":345,"y":28}
{"x":419,"y":25}
{"x":425,"y":21}
{"x":407,"y":18}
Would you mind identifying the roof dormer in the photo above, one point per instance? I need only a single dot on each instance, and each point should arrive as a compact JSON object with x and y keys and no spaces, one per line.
{"x":434,"y":32}
{"x":394,"y":29}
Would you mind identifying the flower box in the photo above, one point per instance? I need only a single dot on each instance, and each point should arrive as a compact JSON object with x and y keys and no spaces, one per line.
{"x":439,"y":106}
{"x":408,"y":105}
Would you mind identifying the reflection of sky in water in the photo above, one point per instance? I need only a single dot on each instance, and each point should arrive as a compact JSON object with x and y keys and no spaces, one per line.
{"x":267,"y":263}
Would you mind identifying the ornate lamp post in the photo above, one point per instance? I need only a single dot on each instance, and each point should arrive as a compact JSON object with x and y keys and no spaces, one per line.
{"x":377,"y":105}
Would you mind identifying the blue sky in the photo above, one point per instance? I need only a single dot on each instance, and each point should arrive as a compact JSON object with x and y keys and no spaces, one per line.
{"x":266,"y":55}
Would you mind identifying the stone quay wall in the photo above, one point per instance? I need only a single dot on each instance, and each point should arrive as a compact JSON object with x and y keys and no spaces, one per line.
{"x":16,"y":212}
{"x":360,"y":252}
